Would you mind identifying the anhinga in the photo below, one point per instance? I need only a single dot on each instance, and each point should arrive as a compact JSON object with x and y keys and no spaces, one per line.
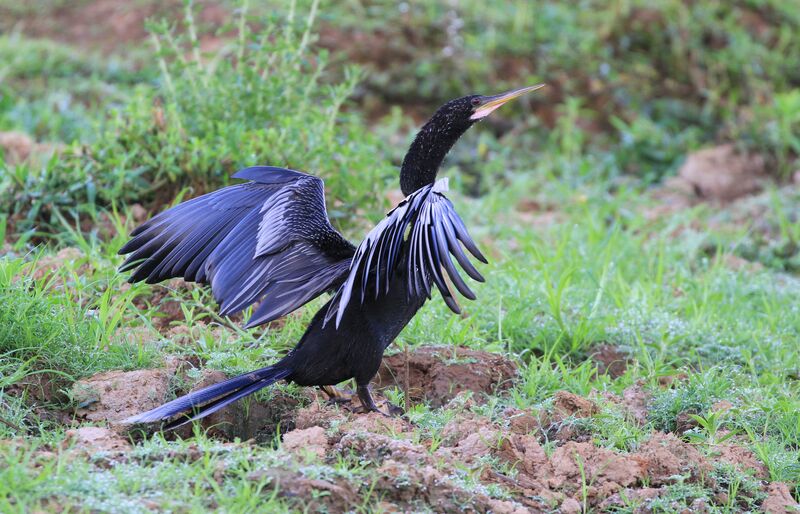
{"x":270,"y":239}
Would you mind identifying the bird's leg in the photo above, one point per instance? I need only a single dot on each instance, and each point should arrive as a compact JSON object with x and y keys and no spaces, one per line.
{"x":368,"y":404}
{"x":335,"y":396}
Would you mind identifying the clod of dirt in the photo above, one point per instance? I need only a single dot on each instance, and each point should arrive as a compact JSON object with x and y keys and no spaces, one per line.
{"x":474,"y":446}
{"x":115,"y":395}
{"x":95,"y":439}
{"x":664,"y":457}
{"x":571,"y":506}
{"x":610,"y":360}
{"x":521,"y":422}
{"x":722,"y":173}
{"x":606,"y":471}
{"x":438,"y":373}
{"x":567,"y":404}
{"x":379,"y":447}
{"x":319,"y":414}
{"x":634,"y":401}
{"x":779,"y":500}
{"x":50,"y":263}
{"x":317,"y":495}
{"x":525,"y":453}
{"x":16,"y":146}
{"x":743,"y":459}
{"x":424,"y":484}
{"x":311,"y":440}
{"x":628,"y":497}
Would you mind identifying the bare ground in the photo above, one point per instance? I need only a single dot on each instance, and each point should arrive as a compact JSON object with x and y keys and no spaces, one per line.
{"x":537,"y":458}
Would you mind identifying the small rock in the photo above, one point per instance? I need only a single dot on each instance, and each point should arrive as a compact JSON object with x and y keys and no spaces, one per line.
{"x":311,"y":440}
{"x":568,"y":404}
{"x":571,"y":506}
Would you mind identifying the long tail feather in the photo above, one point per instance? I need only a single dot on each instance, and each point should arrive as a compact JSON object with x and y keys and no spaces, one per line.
{"x":212,"y":398}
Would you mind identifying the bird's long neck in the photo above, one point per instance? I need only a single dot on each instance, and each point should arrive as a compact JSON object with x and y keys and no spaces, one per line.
{"x":426,"y":153}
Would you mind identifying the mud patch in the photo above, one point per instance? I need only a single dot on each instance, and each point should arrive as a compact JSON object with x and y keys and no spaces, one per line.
{"x":436,"y":374}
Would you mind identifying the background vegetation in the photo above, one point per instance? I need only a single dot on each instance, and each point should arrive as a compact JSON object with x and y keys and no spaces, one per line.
{"x":110,"y":111}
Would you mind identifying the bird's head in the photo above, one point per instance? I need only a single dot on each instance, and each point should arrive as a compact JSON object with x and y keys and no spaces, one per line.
{"x":467,"y":110}
{"x":441,"y":132}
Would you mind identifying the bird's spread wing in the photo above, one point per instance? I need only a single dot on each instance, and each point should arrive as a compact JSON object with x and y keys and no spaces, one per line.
{"x":267,"y":239}
{"x":426,"y":230}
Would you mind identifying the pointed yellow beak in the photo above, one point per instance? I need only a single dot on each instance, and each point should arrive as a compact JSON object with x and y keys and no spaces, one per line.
{"x":493,"y":102}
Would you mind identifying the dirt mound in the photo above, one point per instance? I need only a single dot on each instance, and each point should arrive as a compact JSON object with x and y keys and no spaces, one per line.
{"x":508,"y":453}
{"x":567,"y":404}
{"x":779,"y":500}
{"x":115,"y":395}
{"x":312,"y":440}
{"x":742,"y":458}
{"x":634,"y":402}
{"x":606,"y":471}
{"x":720,"y":174}
{"x":48,"y":264}
{"x":436,"y":374}
{"x":95,"y":439}
{"x":665,"y":457}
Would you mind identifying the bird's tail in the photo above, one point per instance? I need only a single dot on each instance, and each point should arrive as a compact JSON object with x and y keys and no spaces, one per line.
{"x":208,"y":400}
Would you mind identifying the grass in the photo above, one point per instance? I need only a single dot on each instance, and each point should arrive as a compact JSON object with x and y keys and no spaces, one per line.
{"x":562,"y":208}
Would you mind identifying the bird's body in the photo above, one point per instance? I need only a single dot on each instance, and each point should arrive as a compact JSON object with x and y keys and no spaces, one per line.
{"x":327,"y":355}
{"x":269,"y":240}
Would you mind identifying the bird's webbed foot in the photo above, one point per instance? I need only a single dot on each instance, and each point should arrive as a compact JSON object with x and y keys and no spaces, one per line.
{"x":368,"y":404}
{"x":335,"y":395}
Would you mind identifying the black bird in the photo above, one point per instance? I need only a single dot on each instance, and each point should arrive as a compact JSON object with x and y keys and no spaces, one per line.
{"x":269,"y":239}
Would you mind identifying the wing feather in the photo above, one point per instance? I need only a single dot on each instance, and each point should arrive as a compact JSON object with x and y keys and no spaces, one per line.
{"x":268,"y":239}
{"x":423,"y":232}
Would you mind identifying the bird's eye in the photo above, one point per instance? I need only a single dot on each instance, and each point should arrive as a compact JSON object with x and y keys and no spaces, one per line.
{"x":476,"y":102}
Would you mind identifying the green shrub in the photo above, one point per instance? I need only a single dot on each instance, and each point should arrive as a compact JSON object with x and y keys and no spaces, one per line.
{"x":258,"y":100}
{"x":42,"y":328}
